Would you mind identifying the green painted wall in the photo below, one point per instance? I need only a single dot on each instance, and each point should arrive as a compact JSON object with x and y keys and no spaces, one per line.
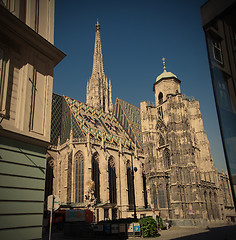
{"x":22,"y":183}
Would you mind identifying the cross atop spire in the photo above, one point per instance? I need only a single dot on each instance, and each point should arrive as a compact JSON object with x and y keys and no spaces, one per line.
{"x":164,"y":64}
{"x":97,"y":26}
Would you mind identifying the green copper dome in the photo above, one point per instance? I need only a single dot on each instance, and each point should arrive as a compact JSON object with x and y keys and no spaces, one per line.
{"x":165,"y":74}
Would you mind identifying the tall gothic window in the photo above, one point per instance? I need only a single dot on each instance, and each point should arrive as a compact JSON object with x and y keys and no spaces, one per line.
{"x":104,"y":103}
{"x":166,"y":158}
{"x":154,"y":196}
{"x":96,"y":176}
{"x":161,"y":197}
{"x":211,"y":206}
{"x":112,"y":180}
{"x":79,"y":177}
{"x":130,"y":184}
{"x":206,"y":202}
{"x":145,"y":191}
{"x":216,"y":206}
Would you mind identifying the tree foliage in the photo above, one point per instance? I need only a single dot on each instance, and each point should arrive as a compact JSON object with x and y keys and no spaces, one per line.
{"x":160,"y":223}
{"x":148,"y":227}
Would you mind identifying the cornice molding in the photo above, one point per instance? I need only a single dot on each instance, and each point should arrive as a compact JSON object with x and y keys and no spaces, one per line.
{"x":11,"y":25}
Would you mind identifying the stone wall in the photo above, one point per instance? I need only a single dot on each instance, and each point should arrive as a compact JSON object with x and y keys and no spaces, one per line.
{"x":178,"y":163}
{"x":64,"y":176}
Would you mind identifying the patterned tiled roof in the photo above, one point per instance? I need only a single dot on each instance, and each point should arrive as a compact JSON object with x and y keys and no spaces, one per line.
{"x":56,"y":118}
{"x":65,"y":123}
{"x":82,"y":119}
{"x":128,"y":116}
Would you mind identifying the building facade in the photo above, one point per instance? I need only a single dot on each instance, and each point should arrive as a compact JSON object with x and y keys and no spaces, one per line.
{"x":182,"y":180}
{"x":92,"y":161}
{"x":27,"y":59}
{"x":154,"y":160}
{"x":218,"y":21}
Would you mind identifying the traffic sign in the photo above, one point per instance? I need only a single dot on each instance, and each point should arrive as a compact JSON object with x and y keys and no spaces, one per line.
{"x":53,"y":205}
{"x":53,"y":202}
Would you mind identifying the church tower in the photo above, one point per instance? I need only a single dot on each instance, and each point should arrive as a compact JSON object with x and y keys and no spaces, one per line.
{"x":98,"y":88}
{"x":166,"y":83}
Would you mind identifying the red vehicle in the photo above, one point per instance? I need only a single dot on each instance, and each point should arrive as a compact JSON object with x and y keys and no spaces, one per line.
{"x":59,"y":217}
{"x":62,"y":216}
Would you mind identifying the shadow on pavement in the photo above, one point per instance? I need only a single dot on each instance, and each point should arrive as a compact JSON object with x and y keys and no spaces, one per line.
{"x":214,"y":233}
{"x":217,"y":233}
{"x":59,"y":235}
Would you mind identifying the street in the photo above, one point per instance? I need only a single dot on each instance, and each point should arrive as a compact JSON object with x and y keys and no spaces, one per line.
{"x":227,"y":232}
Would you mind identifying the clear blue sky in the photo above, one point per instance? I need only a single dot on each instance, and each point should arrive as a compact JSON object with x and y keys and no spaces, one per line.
{"x":136,"y":35}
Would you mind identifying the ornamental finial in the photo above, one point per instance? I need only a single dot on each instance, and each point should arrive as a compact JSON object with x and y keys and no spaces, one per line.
{"x":164,"y":64}
{"x":97,"y":26}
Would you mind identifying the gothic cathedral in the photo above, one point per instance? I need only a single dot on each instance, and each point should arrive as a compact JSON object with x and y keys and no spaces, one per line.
{"x":125,"y":162}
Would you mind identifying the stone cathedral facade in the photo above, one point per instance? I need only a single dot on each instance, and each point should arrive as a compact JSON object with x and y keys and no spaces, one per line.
{"x":124,"y":160}
{"x":182,"y":181}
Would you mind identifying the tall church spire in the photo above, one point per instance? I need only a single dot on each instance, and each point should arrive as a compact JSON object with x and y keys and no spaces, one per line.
{"x":98,"y":89}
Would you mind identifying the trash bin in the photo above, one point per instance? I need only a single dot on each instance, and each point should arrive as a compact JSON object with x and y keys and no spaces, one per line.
{"x":137,"y":231}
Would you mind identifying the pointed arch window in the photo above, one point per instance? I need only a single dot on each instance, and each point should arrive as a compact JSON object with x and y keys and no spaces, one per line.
{"x":79,"y":177}
{"x":206,"y":203}
{"x":161,"y":141}
{"x":166,"y":158}
{"x":96,"y":176}
{"x":145,"y":190}
{"x":104,"y":103}
{"x":112,"y":180}
{"x":161,"y":197}
{"x":160,"y":98}
{"x":130,"y":184}
{"x":215,"y":198}
{"x":154,"y":196}
{"x":211,"y":206}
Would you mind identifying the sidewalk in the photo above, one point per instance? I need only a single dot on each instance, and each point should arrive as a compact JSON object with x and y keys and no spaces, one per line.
{"x":226,"y":232}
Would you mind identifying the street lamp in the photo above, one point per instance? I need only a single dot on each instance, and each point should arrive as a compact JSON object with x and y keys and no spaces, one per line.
{"x":133,"y":169}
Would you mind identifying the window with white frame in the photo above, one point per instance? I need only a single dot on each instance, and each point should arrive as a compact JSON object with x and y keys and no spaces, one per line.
{"x":3,"y":82}
{"x":1,"y":67}
{"x":217,"y":51}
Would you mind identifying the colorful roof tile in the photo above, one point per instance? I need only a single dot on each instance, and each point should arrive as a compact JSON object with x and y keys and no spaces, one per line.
{"x":56,"y":118}
{"x":82,"y":119}
{"x":128,"y":116}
